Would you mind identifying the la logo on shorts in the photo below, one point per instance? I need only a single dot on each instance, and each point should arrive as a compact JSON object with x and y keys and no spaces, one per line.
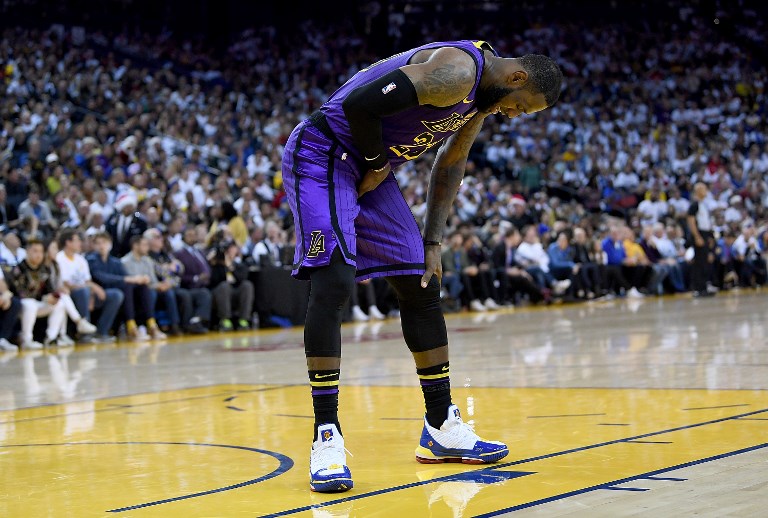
{"x":316,"y":244}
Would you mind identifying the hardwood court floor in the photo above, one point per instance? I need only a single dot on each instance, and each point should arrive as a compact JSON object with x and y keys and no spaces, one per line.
{"x":655,"y":407}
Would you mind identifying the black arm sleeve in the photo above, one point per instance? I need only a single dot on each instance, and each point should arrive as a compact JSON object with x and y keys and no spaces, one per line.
{"x":365,"y":106}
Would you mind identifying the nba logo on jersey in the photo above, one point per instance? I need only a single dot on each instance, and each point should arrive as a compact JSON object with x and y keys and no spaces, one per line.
{"x":316,"y":244}
{"x":388,"y":88}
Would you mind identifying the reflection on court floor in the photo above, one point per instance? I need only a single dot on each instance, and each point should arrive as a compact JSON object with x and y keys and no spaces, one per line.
{"x":240,"y":450}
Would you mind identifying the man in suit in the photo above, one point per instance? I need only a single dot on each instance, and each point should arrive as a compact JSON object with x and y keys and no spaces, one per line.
{"x":197,"y":270}
{"x":512,"y":278}
{"x":125,"y":223}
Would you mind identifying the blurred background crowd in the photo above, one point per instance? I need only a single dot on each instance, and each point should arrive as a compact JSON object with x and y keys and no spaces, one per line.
{"x":144,"y":161}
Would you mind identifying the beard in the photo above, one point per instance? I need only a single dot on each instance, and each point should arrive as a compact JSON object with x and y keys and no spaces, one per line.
{"x":487,"y":98}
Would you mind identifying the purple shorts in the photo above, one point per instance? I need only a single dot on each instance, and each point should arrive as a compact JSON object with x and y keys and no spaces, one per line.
{"x":376,"y":233}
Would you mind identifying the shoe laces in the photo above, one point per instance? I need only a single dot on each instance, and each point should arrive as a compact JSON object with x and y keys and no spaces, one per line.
{"x":328,"y":453}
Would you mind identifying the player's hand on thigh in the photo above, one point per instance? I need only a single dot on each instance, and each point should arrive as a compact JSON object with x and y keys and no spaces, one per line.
{"x":433,"y":263}
{"x":373,"y":178}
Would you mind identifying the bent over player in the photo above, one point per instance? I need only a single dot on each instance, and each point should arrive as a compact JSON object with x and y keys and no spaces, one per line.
{"x":352,"y":222}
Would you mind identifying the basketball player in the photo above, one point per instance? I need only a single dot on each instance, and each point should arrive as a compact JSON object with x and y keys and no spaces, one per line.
{"x":352,"y":222}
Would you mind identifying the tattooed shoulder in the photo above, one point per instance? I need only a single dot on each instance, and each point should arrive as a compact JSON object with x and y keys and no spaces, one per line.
{"x":445,"y":79}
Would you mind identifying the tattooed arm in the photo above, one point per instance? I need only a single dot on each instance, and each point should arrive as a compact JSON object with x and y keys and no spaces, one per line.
{"x":445,"y":78}
{"x":447,"y":173}
{"x":442,"y":80}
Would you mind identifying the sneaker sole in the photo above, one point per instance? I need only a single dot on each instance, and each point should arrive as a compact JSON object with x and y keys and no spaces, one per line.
{"x":336,"y":485}
{"x":425,"y":456}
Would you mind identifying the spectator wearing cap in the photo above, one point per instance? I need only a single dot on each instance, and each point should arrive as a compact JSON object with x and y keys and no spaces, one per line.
{"x":194,"y":303}
{"x":125,"y":224}
{"x":748,"y":261}
{"x":233,"y":293}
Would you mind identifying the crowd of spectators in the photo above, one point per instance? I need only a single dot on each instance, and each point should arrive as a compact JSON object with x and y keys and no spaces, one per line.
{"x":153,"y":165}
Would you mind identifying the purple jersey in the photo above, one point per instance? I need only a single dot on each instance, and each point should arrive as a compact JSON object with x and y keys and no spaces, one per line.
{"x":409,"y":133}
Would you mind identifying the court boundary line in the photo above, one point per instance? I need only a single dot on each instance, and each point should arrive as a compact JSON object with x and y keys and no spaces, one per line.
{"x":285,"y":464}
{"x":492,"y":467}
{"x":642,"y":476}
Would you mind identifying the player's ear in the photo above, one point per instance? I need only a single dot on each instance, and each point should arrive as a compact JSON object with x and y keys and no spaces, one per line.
{"x":518,"y":78}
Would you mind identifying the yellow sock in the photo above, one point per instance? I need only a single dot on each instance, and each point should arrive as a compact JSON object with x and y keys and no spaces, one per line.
{"x":151,"y":323}
{"x":130,"y":326}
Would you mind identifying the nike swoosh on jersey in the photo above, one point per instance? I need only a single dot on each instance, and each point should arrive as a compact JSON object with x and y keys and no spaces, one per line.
{"x":445,"y":368}
{"x":374,"y":158}
{"x":468,"y":101}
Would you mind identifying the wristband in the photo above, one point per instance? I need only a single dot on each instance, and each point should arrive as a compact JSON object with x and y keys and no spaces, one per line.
{"x":432,"y":243}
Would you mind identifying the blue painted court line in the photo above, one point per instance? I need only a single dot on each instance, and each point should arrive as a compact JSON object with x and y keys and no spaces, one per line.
{"x":622,"y":481}
{"x":615,"y":488}
{"x":286,"y":463}
{"x":670,"y":479}
{"x":715,"y":407}
{"x":540,"y":457}
{"x":752,"y":419}
{"x":650,"y":442}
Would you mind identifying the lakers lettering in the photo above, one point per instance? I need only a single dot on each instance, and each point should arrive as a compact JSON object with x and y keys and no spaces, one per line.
{"x":316,"y":244}
{"x":423,"y":141}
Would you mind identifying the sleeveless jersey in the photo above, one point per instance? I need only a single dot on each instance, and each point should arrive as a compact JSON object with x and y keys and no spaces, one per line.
{"x":411,"y":132}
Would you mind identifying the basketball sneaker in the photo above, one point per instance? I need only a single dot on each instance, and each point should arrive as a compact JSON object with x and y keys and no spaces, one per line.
{"x":328,"y":471}
{"x":456,"y":441}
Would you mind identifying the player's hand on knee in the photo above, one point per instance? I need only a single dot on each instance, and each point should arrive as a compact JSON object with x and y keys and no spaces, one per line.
{"x":373,"y":178}
{"x":433,"y":263}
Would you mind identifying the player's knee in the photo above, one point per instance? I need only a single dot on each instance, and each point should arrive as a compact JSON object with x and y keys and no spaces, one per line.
{"x":411,"y":294}
{"x":420,"y":313}
{"x":332,"y":285}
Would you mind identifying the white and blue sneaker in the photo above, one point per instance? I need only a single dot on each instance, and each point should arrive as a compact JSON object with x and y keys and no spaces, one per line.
{"x":456,"y":441}
{"x":328,"y":471}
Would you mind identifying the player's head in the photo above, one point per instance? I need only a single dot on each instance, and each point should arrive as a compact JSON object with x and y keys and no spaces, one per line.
{"x":527,"y":84}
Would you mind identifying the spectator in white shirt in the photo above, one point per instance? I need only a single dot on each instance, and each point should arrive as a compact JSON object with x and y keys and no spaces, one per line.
{"x":532,"y":256}
{"x":11,"y":252}
{"x":652,"y":210}
{"x":269,"y":250}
